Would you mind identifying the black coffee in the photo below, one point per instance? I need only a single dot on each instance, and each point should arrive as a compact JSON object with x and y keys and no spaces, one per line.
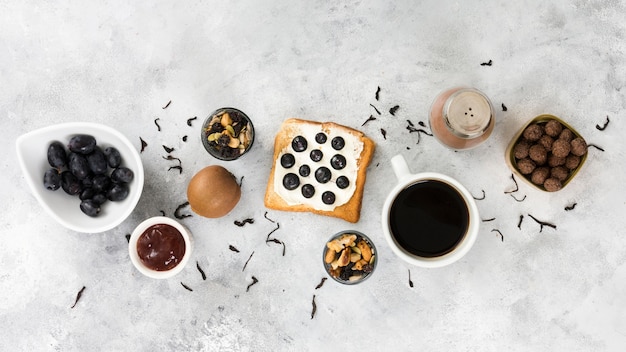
{"x":429,"y":218}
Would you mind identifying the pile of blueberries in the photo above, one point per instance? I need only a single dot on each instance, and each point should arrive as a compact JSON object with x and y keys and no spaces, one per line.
{"x":291,"y":181}
{"x":83,"y":171}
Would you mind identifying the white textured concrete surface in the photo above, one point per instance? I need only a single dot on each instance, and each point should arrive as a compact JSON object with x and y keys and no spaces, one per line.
{"x":117,"y":63}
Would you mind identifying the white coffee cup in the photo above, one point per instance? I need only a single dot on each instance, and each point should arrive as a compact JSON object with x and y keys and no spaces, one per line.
{"x":407,"y":179}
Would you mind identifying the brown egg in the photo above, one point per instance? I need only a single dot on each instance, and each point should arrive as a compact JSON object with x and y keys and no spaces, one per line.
{"x":213,"y":192}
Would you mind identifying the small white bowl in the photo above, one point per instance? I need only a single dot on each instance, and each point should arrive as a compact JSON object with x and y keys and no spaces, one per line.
{"x":134,"y":256}
{"x":32,"y":149}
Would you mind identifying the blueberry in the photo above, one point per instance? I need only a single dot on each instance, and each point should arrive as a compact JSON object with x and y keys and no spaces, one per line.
{"x":291,"y":181}
{"x":99,"y":198}
{"x":122,"y":175}
{"x":90,"y":207}
{"x":113,"y":157}
{"x":118,"y":192}
{"x":287,"y":160}
{"x":342,"y":182}
{"x":338,"y":162}
{"x":57,"y":157}
{"x":322,"y":175}
{"x":82,"y":144}
{"x":299,"y":144}
{"x":320,"y":138}
{"x":97,"y":161}
{"x":101,"y":183}
{"x":52,"y":179}
{"x":304,"y":170}
{"x":308,"y":191}
{"x":79,"y":166}
{"x":328,"y":197}
{"x":87,"y":193}
{"x":316,"y":155}
{"x":70,"y":184}
{"x":338,"y":143}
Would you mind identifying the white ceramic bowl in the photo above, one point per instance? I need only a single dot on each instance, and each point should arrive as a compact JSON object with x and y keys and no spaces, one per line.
{"x":32,"y":149}
{"x":134,"y":256}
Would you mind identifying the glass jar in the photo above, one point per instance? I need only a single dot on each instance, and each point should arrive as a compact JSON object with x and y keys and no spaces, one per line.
{"x":462,"y":118}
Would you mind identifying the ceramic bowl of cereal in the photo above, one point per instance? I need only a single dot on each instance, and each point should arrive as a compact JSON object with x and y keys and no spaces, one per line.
{"x":546,"y":153}
{"x":349,"y":257}
{"x":227,"y":134}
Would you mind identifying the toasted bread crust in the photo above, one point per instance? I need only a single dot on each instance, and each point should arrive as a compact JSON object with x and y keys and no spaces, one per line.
{"x":350,"y":211}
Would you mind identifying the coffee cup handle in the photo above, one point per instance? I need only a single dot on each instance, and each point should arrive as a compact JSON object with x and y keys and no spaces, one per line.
{"x":400,"y":167}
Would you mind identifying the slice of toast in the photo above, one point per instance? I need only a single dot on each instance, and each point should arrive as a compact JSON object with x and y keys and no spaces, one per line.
{"x":332,"y":185}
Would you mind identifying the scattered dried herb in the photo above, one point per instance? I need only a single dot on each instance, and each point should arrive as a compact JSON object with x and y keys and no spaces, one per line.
{"x":410,"y":282}
{"x":186,"y":287}
{"x":516,"y":186}
{"x":277,"y":241}
{"x":185,"y":138}
{"x":191,"y":119}
{"x":375,"y":109}
{"x":542,"y":223}
{"x":168,"y":149}
{"x":410,"y":123}
{"x":241,"y":181}
{"x":384,"y":133}
{"x":393,"y":110}
{"x":595,"y":146}
{"x":156,"y":122}
{"x":270,"y":220}
{"x":244,"y":221}
{"x":606,"y":123}
{"x":321,"y":283}
{"x":177,"y":167}
{"x":254,"y":281}
{"x":177,"y":213}
{"x":166,"y":105}
{"x":314,"y":310}
{"x":377,"y":93}
{"x":233,"y":248}
{"x":488,"y":63}
{"x":143,"y":144}
{"x":267,"y":239}
{"x":483,"y":197}
{"x":128,"y":237}
{"x":504,"y":107}
{"x":499,"y":233}
{"x":570,"y":207}
{"x":371,"y":118}
{"x":169,"y":157}
{"x":487,"y":220}
{"x":78,"y":296}
{"x":517,"y":199}
{"x":200,"y":270}
{"x":246,"y":264}
{"x":519,"y":224}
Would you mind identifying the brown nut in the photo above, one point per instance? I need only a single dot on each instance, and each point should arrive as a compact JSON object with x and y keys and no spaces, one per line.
{"x":359,"y":265}
{"x":354,"y":257}
{"x":226,"y":120}
{"x":347,"y":240}
{"x":330,"y":256}
{"x":344,"y":259}
{"x":335,"y":245}
{"x":366,"y":251}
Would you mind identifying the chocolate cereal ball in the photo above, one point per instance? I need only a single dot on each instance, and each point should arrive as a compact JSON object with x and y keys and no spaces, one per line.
{"x":572,"y":161}
{"x":526,"y":166}
{"x":555,"y":160}
{"x":521,"y":149}
{"x":578,"y":146}
{"x":546,"y":141}
{"x":553,"y":128}
{"x":540,"y":175}
{"x":533,"y":132}
{"x":552,"y":185}
{"x":561,"y":147}
{"x":566,"y":135}
{"x":559,"y":172}
{"x":538,"y":154}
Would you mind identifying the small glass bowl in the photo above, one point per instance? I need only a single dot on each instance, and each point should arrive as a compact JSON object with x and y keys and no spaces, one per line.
{"x":349,"y":274}
{"x":239,"y":140}
{"x":512,"y":162}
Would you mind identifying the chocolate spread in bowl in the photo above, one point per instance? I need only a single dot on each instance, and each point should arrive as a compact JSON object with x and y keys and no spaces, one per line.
{"x":161,"y":247}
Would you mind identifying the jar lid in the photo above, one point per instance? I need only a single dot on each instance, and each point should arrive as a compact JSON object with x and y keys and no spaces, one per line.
{"x":468,"y":113}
